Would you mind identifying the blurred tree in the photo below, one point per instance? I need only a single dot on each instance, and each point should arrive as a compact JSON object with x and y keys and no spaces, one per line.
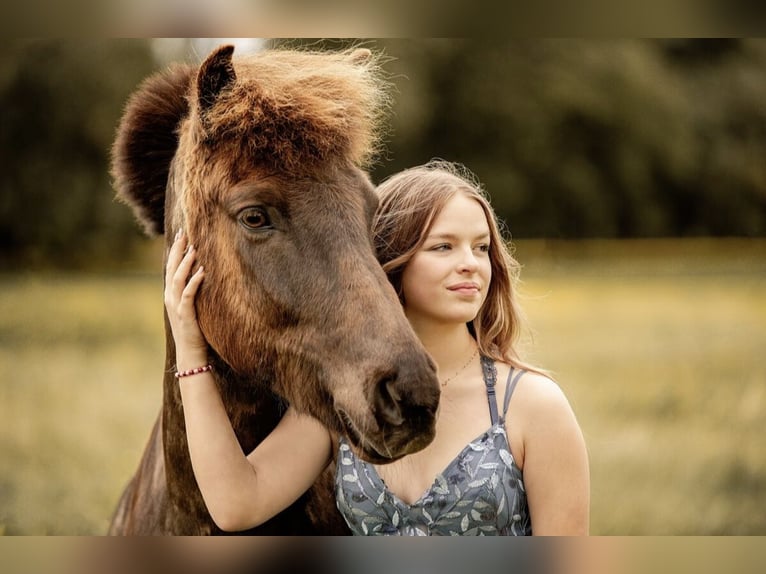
{"x":584,"y":138}
{"x":61,"y":101}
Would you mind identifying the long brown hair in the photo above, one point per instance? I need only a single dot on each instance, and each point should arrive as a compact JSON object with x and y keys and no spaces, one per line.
{"x":409,"y":202}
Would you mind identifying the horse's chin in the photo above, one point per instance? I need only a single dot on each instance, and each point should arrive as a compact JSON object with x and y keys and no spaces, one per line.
{"x":373,"y":456}
{"x":368,"y":450}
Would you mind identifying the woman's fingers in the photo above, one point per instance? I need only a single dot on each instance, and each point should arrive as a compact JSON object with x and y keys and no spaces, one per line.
{"x":184,"y":269}
{"x":181,"y":258}
{"x":175,"y":255}
{"x":181,"y":287}
{"x":190,"y":291}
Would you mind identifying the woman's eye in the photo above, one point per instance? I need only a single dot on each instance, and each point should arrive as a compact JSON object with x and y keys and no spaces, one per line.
{"x":484,"y":247}
{"x":254,"y":218}
{"x":441,"y":247}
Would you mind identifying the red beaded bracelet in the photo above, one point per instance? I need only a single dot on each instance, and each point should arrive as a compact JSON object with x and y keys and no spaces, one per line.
{"x":194,"y":371}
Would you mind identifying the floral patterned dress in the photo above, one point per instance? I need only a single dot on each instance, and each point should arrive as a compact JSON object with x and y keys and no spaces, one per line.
{"x":480,"y":492}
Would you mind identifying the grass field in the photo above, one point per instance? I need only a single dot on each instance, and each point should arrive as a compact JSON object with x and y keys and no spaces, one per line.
{"x":659,"y":345}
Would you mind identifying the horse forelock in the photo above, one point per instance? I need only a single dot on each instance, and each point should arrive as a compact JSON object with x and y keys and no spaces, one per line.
{"x":298,"y":111}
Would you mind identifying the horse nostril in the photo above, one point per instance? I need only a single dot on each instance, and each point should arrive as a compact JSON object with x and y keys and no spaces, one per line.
{"x":387,"y":402}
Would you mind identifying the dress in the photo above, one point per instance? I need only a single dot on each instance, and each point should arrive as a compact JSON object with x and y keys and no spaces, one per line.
{"x":480,"y":492}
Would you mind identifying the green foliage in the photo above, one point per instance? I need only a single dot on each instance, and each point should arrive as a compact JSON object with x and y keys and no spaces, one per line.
{"x":594,"y":138}
{"x":61,"y":102}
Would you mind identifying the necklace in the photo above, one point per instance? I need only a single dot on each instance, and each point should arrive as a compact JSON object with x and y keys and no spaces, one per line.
{"x":463,"y":368}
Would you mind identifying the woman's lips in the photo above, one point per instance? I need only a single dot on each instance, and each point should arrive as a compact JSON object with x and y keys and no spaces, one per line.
{"x":464,"y":288}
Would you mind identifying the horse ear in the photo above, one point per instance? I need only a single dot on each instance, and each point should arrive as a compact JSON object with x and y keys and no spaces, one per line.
{"x":215,"y":74}
{"x":146,"y":142}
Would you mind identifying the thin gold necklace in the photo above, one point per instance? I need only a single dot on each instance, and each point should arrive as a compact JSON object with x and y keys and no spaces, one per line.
{"x":463,"y":368}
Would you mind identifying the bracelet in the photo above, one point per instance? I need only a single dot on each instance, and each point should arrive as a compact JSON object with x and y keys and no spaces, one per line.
{"x":194,"y":371}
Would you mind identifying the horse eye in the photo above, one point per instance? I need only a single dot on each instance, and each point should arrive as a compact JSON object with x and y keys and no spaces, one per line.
{"x":254,"y":218}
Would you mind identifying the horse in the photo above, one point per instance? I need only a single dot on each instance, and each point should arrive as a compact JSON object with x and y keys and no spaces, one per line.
{"x":261,"y":160}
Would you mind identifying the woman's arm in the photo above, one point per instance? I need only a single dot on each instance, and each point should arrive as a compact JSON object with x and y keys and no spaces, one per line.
{"x":240,"y":491}
{"x":556,"y":474}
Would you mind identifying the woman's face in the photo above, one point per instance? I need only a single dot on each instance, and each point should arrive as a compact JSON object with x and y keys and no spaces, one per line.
{"x":447,"y":280}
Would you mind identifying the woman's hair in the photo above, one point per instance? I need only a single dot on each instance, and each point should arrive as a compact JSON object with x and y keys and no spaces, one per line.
{"x":409,"y":202}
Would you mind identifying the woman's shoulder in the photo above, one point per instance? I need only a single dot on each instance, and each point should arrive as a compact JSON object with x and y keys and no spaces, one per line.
{"x":538,"y":397}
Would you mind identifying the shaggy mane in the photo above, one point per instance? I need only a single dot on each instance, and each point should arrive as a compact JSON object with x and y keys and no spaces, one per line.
{"x":298,"y":110}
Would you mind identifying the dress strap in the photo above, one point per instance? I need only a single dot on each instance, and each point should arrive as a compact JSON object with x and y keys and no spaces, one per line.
{"x":489,"y":372}
{"x":510,"y":385}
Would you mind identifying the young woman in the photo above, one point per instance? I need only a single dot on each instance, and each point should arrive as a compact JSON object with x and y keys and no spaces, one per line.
{"x":508,"y":456}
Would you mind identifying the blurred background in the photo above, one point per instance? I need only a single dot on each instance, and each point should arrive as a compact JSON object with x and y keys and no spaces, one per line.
{"x":630,"y":174}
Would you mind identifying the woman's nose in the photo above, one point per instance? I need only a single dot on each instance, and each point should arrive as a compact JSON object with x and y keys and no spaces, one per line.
{"x":468,"y":261}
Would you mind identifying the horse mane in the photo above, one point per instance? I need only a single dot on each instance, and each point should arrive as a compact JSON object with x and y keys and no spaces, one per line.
{"x":297,"y":111}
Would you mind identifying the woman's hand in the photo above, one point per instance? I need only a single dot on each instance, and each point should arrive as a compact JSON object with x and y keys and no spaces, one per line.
{"x":180,"y":291}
